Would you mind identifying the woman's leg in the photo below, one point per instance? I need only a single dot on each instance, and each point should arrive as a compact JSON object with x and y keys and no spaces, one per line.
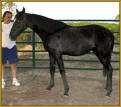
{"x":3,"y":81}
{"x":15,"y":81}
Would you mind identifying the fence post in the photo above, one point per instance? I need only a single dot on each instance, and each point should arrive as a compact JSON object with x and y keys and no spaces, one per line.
{"x":33,"y":49}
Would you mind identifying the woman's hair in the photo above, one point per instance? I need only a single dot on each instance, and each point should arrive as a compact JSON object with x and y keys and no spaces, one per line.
{"x":6,"y":13}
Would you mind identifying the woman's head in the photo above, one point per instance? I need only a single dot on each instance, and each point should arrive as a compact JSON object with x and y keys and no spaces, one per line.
{"x":7,"y":17}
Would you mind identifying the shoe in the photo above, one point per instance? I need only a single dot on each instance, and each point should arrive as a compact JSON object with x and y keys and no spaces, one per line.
{"x":16,"y":83}
{"x":3,"y":84}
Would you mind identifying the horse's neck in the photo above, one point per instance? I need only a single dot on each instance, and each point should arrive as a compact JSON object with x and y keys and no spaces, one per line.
{"x":33,"y":24}
{"x":43,"y":25}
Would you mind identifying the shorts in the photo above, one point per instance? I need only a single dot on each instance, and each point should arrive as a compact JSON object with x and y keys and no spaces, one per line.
{"x":9,"y":55}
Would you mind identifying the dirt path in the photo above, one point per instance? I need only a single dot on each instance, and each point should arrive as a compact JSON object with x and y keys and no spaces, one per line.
{"x":86,"y":88}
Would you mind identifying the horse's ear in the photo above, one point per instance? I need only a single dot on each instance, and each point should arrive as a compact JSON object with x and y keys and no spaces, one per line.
{"x":17,"y":11}
{"x":23,"y":10}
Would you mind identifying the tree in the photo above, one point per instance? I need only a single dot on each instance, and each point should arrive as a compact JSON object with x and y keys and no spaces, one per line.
{"x":9,"y":6}
{"x":117,"y":17}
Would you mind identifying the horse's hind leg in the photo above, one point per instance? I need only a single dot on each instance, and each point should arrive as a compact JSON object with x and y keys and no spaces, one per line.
{"x":52,"y":71}
{"x":109,"y":80}
{"x":109,"y":72}
{"x":106,"y":60}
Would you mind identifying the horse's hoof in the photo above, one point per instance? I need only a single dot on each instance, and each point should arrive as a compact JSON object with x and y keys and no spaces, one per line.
{"x":48,"y":89}
{"x":105,"y":88}
{"x":66,"y":96}
{"x":107,"y":96}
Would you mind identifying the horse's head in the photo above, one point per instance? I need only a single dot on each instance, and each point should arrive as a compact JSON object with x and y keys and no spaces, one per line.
{"x":19,"y":24}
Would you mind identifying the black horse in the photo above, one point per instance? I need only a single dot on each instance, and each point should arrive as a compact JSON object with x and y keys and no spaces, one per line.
{"x":61,"y":39}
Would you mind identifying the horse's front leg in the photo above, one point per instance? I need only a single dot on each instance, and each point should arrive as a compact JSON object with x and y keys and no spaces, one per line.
{"x":62,"y":72}
{"x":52,"y":72}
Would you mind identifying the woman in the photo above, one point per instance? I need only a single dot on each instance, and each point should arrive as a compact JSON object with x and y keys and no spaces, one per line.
{"x":9,"y":50}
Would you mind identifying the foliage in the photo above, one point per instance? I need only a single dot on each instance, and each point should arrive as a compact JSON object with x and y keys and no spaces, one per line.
{"x":9,"y":6}
{"x":117,"y":17}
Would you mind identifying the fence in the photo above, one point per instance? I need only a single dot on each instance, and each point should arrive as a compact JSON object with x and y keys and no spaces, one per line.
{"x":34,"y":51}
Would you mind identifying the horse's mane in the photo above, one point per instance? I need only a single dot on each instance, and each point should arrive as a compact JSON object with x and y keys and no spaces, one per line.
{"x":47,"y":24}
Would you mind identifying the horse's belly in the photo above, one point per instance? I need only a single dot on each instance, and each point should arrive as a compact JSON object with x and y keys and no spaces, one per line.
{"x":76,"y":51}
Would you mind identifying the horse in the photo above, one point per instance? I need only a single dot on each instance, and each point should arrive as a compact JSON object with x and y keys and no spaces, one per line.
{"x":61,"y":39}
